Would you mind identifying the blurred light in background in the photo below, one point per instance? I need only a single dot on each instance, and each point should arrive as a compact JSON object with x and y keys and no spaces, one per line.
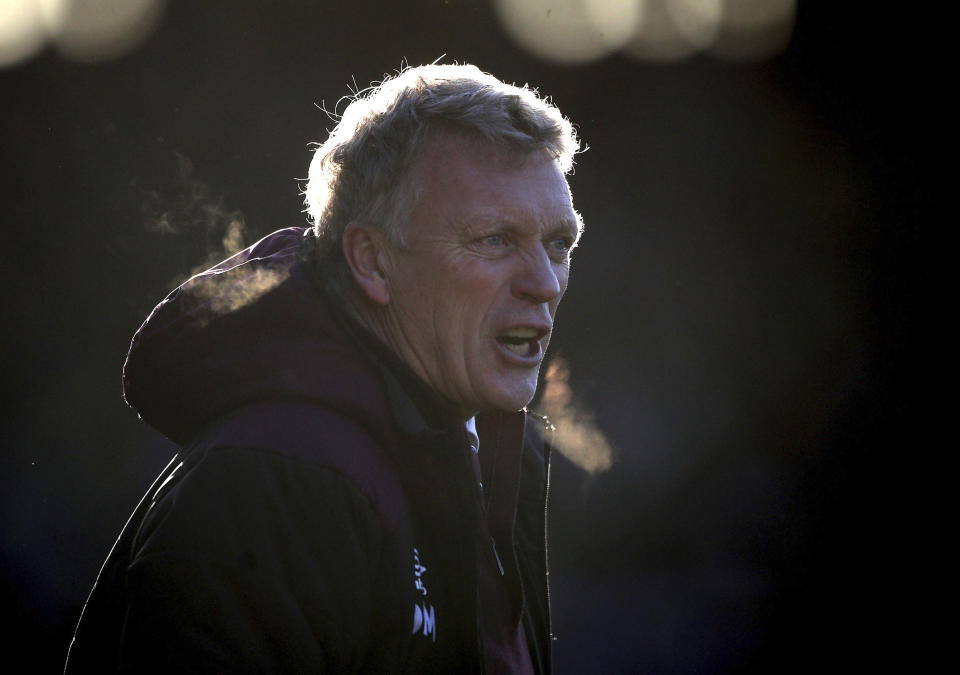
{"x":752,"y":30}
{"x":569,"y":31}
{"x":81,"y":30}
{"x":675,"y":29}
{"x":22,"y":28}
{"x":581,"y":31}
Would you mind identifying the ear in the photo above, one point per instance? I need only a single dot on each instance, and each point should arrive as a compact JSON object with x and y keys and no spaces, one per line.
{"x":364,"y":250}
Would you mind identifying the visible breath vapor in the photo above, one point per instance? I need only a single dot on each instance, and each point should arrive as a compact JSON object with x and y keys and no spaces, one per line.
{"x":223,"y":292}
{"x":577,"y":437}
{"x":210,"y":233}
{"x":191,"y":212}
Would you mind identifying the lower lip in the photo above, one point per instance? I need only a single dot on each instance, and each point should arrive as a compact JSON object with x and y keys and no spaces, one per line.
{"x":533,"y":359}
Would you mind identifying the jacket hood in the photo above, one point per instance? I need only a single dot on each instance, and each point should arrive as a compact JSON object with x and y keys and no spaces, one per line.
{"x":254,"y":327}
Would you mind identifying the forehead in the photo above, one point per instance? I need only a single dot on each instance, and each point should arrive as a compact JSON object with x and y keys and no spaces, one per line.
{"x":467,"y":182}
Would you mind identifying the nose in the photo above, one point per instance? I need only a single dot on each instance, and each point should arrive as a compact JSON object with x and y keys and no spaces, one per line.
{"x":539,"y":278}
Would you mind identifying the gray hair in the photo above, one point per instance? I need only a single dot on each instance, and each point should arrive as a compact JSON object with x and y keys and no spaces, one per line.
{"x":364,"y":170}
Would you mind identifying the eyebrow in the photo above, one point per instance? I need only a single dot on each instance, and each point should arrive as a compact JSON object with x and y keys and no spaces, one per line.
{"x":571,"y":226}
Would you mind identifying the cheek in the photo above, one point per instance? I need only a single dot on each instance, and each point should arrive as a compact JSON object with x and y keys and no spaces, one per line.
{"x":481,"y":297}
{"x":562,"y":279}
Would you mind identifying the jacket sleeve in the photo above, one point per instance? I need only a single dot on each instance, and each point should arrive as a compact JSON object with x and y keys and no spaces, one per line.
{"x":251,"y":561}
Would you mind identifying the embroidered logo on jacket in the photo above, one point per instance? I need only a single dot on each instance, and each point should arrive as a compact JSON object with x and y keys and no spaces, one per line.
{"x":424,"y":616}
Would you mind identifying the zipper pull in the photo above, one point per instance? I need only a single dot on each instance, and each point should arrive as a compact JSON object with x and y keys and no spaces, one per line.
{"x":496,"y":557}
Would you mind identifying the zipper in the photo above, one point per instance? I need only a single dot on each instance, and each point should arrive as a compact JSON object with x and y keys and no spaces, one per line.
{"x":480,"y":510}
{"x":496,"y":556}
{"x":547,"y":450}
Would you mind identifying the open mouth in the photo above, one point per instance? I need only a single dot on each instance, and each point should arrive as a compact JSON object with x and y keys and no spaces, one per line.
{"x":522,"y":341}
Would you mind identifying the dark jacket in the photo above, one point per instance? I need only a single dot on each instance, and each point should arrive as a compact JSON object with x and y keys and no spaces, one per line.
{"x":324,"y":513}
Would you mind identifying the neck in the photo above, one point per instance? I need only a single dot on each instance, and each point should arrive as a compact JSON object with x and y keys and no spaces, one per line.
{"x":378,"y":324}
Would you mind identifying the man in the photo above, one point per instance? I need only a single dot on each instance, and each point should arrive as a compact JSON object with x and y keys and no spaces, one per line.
{"x":360,"y":488}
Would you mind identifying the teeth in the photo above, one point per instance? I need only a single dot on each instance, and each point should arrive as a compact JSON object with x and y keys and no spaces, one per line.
{"x":521,"y":340}
{"x":523,"y":348}
{"x":522,"y":332}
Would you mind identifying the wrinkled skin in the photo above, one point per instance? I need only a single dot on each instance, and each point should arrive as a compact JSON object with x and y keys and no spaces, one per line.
{"x":468,"y":301}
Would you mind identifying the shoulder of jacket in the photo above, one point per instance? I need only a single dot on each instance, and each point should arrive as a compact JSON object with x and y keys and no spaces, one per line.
{"x":317,"y":437}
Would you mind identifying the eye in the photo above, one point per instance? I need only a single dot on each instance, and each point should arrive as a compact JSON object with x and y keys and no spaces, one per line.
{"x":562,"y":244}
{"x":493,"y":240}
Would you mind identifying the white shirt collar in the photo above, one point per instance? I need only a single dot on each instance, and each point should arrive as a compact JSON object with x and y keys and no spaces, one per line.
{"x":471,"y":425}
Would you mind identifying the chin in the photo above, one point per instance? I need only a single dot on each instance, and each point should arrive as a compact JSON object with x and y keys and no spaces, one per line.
{"x":511,"y":397}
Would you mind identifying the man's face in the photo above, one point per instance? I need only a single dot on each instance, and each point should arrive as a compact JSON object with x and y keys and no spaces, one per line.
{"x":474,"y":291}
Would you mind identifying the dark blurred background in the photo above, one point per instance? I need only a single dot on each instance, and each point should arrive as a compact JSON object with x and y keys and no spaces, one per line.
{"x":739,"y":323}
